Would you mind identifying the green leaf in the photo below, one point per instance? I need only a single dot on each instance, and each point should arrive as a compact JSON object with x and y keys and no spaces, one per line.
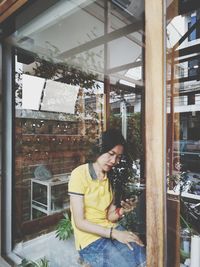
{"x":64,"y":228}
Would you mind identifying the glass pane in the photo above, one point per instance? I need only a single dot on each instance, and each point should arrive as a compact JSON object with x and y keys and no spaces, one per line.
{"x":79,"y":69}
{"x":127,"y":114}
{"x":56,"y":122}
{"x":183,"y":132}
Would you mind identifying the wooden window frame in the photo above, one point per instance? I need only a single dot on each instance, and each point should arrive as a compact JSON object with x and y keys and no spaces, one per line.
{"x":8,"y":7}
{"x":155,"y":127}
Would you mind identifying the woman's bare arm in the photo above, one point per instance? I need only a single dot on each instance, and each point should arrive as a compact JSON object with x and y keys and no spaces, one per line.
{"x":111,"y":214}
{"x":77,"y":206}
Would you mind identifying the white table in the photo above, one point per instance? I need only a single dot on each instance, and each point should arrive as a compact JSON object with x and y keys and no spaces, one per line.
{"x":47,"y":205}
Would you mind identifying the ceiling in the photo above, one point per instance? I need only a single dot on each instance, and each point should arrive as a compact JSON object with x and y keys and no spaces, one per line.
{"x":78,"y":33}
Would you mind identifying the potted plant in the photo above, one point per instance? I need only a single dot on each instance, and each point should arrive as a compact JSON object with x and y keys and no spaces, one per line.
{"x":64,"y":228}
{"x":29,"y":263}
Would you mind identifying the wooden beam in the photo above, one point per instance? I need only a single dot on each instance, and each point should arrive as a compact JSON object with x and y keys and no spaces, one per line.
{"x":114,"y":27}
{"x":155,"y":136}
{"x":187,"y":59}
{"x":185,"y":79}
{"x":172,"y":10}
{"x":106,"y":38}
{"x":7,"y":8}
{"x":171,"y":124}
{"x":125,"y":67}
{"x":185,"y":51}
{"x":5,"y":4}
{"x":173,"y":223}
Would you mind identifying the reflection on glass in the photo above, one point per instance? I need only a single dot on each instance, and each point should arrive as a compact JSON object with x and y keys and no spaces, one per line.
{"x":126,"y":114}
{"x":57,"y":120}
{"x":75,"y":74}
{"x":183,"y":130}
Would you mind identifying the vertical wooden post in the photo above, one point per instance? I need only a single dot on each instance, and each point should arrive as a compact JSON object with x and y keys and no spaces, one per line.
{"x":155,"y":133}
{"x":142,"y":120}
{"x":171,"y":154}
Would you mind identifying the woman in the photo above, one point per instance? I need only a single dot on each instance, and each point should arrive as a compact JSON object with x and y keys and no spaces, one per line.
{"x":100,"y":242}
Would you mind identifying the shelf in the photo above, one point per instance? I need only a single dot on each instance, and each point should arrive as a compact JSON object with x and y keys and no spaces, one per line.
{"x":52,"y":210}
{"x":55,"y":180}
{"x":184,"y":195}
{"x":191,"y":196}
{"x":54,"y":204}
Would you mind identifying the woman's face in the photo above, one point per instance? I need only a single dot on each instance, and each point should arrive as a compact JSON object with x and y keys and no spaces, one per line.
{"x":107,"y":160}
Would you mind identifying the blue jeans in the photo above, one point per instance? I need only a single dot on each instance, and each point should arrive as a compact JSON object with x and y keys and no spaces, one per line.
{"x":105,"y":252}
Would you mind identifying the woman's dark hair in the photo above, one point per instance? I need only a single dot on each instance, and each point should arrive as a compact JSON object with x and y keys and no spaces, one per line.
{"x":118,"y":176}
{"x":110,"y":139}
{"x":107,"y":141}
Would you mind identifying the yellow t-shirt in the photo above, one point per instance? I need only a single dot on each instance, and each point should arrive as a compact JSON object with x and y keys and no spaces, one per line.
{"x":97,"y":198}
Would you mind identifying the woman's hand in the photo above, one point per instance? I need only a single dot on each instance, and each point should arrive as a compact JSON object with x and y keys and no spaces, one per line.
{"x":114,"y":213}
{"x":128,"y":205}
{"x":126,"y":237}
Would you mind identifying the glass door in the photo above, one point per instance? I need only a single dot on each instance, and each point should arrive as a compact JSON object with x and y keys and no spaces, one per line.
{"x":183,"y":132}
{"x":79,"y":69}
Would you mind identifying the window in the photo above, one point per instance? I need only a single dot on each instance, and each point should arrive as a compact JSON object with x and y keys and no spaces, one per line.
{"x":63,"y":90}
{"x":191,"y":99}
{"x":196,"y":32}
{"x":193,"y":67}
{"x":183,"y":139}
